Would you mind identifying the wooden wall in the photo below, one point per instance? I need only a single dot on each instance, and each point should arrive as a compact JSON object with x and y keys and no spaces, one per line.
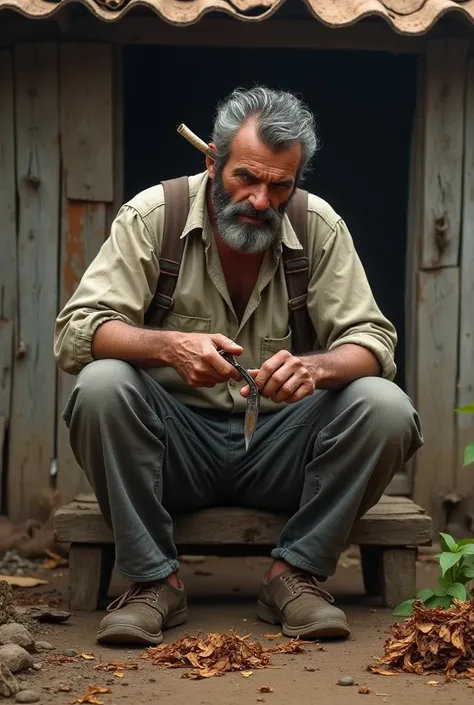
{"x":440,"y":290}
{"x":57,"y":194}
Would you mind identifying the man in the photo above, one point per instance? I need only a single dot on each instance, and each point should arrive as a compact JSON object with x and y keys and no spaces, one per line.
{"x":156,"y":415}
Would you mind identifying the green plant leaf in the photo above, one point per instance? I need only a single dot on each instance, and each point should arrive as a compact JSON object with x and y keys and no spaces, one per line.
{"x":469,"y":454}
{"x":467,"y":573}
{"x":404,"y":609}
{"x":436,"y":601}
{"x":467,"y":549}
{"x":424,"y":594}
{"x":448,"y":543}
{"x":466,"y":409}
{"x":457,"y":590}
{"x":445,"y":583}
{"x":447,"y":560}
{"x":464,"y":542}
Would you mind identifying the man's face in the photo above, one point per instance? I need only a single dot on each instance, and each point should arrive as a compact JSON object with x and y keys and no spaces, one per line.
{"x":251,"y":192}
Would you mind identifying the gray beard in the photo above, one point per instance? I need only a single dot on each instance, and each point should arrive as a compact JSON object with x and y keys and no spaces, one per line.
{"x":244,"y":237}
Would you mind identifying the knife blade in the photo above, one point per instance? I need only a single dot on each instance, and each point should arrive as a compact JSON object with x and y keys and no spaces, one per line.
{"x":253,"y":399}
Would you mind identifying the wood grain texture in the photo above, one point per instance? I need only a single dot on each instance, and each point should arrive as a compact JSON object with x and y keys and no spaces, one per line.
{"x":438,"y":296}
{"x":86,"y":120}
{"x":446,"y":63}
{"x":8,"y":267}
{"x":34,"y":389}
{"x":3,"y":431}
{"x":465,"y":390}
{"x":390,"y":524}
{"x":398,"y":575}
{"x":82,"y":234}
{"x":90,"y":571}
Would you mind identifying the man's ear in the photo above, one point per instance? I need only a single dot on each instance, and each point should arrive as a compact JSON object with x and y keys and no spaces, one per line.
{"x":210,"y":163}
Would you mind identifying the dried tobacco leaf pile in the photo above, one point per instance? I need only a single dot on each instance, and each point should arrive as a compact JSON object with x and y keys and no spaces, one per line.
{"x":215,"y":654}
{"x":435,"y":640}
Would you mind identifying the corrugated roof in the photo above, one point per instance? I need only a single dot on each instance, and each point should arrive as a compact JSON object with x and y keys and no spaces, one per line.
{"x":405,"y":16}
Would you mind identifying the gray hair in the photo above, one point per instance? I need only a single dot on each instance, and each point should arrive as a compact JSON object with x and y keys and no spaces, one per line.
{"x":282,"y":121}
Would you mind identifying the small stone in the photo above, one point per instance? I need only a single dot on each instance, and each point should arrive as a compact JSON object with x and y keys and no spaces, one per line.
{"x":45,"y":645}
{"x":27,"y":696}
{"x":21,"y":677}
{"x":347,"y":680}
{"x":15,"y":657}
{"x":124,"y":683}
{"x":38,"y":666}
{"x":110,"y":681}
{"x":69,"y":652}
{"x":152,"y":680}
{"x":14,"y":633}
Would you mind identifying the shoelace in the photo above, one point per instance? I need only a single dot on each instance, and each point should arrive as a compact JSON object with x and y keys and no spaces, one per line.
{"x":137,"y":593}
{"x":302,"y":583}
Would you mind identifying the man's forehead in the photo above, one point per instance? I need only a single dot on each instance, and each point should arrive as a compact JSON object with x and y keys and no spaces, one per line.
{"x":248,"y":147}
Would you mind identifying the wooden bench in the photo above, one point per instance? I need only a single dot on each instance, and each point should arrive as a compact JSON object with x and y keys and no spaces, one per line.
{"x":388,"y":536}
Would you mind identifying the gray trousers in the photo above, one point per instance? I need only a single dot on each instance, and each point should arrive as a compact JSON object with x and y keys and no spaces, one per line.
{"x":324,"y":460}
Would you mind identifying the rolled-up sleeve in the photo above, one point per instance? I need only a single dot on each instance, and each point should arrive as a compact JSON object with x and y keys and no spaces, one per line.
{"x":118,"y":285}
{"x":341,"y":303}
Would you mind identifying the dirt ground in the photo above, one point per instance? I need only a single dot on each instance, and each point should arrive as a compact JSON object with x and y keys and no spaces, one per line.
{"x":222,"y":595}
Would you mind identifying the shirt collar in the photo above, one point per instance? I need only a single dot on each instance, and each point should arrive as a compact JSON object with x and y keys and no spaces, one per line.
{"x":198,"y":215}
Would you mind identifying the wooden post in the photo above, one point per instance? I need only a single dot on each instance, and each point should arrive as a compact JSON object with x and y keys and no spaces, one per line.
{"x":32,"y":431}
{"x":87,"y":132}
{"x":464,"y":484}
{"x":437,"y":296}
{"x":8,"y":267}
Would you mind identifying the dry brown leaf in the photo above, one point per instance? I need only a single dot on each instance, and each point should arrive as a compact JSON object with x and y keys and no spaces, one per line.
{"x":89,"y":697}
{"x":382,"y":671}
{"x":21,"y":581}
{"x":246,"y":674}
{"x":216,"y":653}
{"x":59,"y":660}
{"x":116,"y":666}
{"x":431,"y":641}
{"x":88,"y":657}
{"x":54,"y":560}
{"x":363,"y":690}
{"x":432,"y":682}
{"x":119,"y":674}
{"x":265,"y":689}
{"x":279,"y":635}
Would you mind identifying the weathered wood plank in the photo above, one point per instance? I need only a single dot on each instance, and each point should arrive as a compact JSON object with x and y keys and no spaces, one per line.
{"x":465,"y":422}
{"x":3,"y":430}
{"x":398,"y":575}
{"x":82,"y":234}
{"x":437,"y":341}
{"x":446,"y":63}
{"x":34,"y":388}
{"x":90,"y":567}
{"x":221,"y":526}
{"x":86,"y":120}
{"x":8,"y":269}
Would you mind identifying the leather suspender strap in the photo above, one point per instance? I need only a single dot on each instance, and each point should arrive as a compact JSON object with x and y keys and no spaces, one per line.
{"x":297,"y":276}
{"x":176,"y":213}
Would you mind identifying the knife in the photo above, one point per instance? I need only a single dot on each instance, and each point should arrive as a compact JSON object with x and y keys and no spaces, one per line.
{"x":253,"y":399}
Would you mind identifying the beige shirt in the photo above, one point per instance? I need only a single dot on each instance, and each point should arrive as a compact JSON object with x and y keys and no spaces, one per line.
{"x":121,"y":281}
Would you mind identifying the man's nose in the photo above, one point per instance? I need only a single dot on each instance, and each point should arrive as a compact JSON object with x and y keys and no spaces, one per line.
{"x":259,"y":198}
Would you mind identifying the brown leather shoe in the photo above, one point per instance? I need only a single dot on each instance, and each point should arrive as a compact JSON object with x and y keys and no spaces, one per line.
{"x":139,"y":615}
{"x":294,"y":600}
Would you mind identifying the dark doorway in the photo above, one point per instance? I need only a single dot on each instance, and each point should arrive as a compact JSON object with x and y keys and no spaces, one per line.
{"x":364,"y":104}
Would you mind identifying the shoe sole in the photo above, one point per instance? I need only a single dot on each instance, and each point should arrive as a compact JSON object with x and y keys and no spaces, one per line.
{"x":320,"y":629}
{"x":128,"y":634}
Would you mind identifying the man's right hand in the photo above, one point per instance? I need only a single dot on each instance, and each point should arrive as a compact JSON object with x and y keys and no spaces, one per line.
{"x":196,"y":358}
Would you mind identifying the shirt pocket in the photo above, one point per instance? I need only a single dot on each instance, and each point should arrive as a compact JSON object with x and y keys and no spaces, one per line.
{"x":271,"y":346}
{"x":187,"y":324}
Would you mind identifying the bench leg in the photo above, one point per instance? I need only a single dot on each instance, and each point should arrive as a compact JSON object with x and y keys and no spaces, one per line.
{"x":389,"y":573}
{"x":372,"y":570}
{"x":90,"y":569}
{"x":399,"y":575}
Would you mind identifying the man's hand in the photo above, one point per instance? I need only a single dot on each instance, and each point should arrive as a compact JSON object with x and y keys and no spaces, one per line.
{"x":194,"y":356}
{"x":282,"y":378}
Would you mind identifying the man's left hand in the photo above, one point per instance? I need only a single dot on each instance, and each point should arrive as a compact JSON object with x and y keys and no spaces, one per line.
{"x":282,"y":378}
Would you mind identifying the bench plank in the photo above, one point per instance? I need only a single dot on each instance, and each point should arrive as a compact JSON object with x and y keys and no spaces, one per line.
{"x":389,"y":523}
